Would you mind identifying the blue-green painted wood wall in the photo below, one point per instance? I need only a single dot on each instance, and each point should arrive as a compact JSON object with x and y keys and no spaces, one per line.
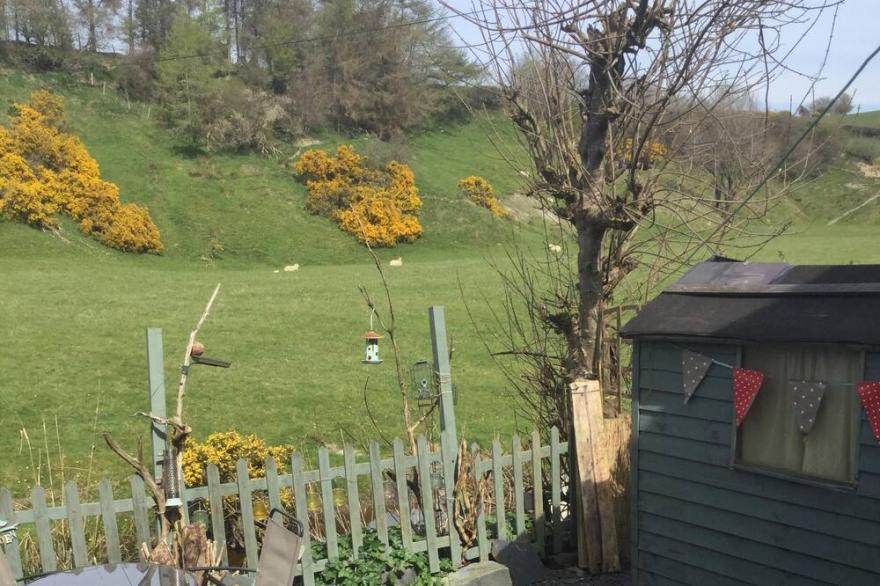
{"x":699,"y":521}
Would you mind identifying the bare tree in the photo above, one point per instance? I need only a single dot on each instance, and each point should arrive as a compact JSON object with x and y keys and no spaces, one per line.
{"x":604,"y":94}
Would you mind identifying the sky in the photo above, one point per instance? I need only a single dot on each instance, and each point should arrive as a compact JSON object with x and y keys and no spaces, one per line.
{"x":855,"y":35}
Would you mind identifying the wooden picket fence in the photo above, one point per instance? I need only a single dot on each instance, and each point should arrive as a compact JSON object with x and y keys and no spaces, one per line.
{"x":535,"y":514}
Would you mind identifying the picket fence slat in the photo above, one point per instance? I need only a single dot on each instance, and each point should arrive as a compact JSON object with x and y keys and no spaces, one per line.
{"x":555,"y":490}
{"x":215,"y":502}
{"x":400,"y":476}
{"x":302,"y":513}
{"x":482,"y":540}
{"x":433,"y":468}
{"x":327,"y":504}
{"x":108,"y":518}
{"x":498,"y":477}
{"x":246,"y":504}
{"x":518,"y":488}
{"x":44,"y":530}
{"x":538,"y":494}
{"x":139,"y":509}
{"x":378,"y":487}
{"x":75,"y":524}
{"x":354,"y":500}
{"x":428,"y":504}
{"x":272,"y":486}
{"x":448,"y":443}
{"x":8,"y":514}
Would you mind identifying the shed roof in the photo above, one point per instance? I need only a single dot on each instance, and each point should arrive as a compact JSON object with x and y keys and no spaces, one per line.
{"x":769,"y":302}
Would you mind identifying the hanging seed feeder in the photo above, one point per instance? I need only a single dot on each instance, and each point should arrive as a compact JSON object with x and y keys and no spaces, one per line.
{"x":371,"y":348}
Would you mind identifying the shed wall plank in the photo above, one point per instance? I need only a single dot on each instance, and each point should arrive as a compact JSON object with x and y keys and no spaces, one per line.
{"x":698,"y":407}
{"x":686,"y":574}
{"x":814,"y":556}
{"x":828,"y":524}
{"x":842,"y":502}
{"x":683,"y":448}
{"x":655,"y":539}
{"x":703,"y":430}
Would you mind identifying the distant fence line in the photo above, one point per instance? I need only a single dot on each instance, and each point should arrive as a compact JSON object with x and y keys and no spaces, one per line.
{"x":536,"y":514}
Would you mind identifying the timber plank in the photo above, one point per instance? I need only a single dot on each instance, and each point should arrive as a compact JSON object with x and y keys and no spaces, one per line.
{"x":698,"y":407}
{"x":842,"y":501}
{"x":731,"y":565}
{"x":684,"y":573}
{"x":660,"y":353}
{"x":713,"y":386}
{"x":818,"y":555}
{"x":830,"y":524}
{"x":765,"y":564}
{"x":714,"y":432}
{"x":696,"y":451}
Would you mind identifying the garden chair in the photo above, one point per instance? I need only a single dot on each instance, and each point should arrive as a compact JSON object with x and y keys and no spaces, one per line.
{"x":278,"y":557}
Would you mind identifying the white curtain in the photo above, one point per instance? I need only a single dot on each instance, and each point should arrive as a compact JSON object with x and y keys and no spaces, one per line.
{"x":769,"y":437}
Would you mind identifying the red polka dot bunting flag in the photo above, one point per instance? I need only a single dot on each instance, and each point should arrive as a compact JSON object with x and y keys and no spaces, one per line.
{"x":746,"y":384}
{"x":869,"y":393}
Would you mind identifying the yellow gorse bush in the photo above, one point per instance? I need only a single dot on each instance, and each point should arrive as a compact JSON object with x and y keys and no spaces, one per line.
{"x":380,"y":207}
{"x":651,"y":153}
{"x":224,"y":449}
{"x":481,"y":192}
{"x":44,"y":171}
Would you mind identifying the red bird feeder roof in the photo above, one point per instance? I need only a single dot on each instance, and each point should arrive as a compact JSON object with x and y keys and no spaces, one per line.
{"x":371,"y":335}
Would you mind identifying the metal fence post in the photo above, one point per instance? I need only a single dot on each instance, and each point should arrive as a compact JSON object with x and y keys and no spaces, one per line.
{"x":440,"y":349}
{"x":156,"y":377}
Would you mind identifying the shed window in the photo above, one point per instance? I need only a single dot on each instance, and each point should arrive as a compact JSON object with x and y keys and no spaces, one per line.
{"x":769,"y":437}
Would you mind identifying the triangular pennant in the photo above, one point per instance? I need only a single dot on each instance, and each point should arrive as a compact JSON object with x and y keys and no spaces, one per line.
{"x":807,"y":400}
{"x":694,"y":367}
{"x":869,"y":393}
{"x":746,"y":384}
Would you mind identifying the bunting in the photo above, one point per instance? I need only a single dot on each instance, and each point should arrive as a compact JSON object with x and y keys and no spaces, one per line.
{"x":869,"y":393}
{"x":807,"y":400}
{"x":746,"y":384}
{"x":694,"y":367}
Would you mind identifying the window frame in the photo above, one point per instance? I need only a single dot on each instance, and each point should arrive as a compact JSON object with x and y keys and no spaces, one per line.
{"x":819,"y":482}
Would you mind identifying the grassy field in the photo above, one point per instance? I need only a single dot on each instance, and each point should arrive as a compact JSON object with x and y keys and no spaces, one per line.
{"x":73,"y":314}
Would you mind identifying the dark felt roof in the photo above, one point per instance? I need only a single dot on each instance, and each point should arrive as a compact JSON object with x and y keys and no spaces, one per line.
{"x":771,"y":302}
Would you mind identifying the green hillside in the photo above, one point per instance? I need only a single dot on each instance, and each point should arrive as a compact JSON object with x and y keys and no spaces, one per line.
{"x":252,"y":204}
{"x":73,"y":313}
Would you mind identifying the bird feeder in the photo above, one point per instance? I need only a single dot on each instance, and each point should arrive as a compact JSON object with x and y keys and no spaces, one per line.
{"x":422,"y":381}
{"x":170,"y":479}
{"x":371,"y":348}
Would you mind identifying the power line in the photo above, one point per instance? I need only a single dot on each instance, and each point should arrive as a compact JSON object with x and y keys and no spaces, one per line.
{"x":305,"y":40}
{"x":791,"y":149}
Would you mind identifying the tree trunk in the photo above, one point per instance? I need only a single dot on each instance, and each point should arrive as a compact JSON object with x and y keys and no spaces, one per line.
{"x":590,"y":234}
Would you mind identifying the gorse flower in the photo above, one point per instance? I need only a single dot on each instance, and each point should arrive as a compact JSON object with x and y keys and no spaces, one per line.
{"x":224,"y":449}
{"x":481,"y":192}
{"x":380,"y":207}
{"x":44,"y":171}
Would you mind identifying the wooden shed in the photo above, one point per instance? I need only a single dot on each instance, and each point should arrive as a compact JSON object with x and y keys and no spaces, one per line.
{"x":769,"y":473}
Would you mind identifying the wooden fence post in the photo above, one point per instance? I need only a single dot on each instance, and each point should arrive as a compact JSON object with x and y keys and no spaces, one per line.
{"x":597,"y":528}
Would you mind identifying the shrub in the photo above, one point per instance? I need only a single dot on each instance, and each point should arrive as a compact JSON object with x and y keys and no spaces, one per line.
{"x":44,"y":171}
{"x":224,"y":449}
{"x":376,"y":563}
{"x":481,"y":192}
{"x":380,"y":207}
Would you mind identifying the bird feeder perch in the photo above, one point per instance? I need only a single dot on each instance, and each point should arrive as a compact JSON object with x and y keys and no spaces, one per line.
{"x":371,"y":348}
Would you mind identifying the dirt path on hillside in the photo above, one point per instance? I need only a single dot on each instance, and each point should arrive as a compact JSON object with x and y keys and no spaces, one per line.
{"x":853,"y":210}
